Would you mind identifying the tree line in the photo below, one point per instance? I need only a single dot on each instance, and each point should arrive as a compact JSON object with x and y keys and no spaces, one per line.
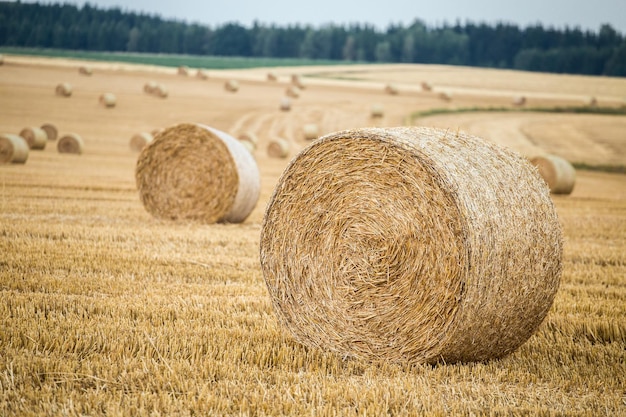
{"x":501,"y":45}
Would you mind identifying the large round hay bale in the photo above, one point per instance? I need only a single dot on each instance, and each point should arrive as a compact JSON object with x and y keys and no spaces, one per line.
{"x":13,"y":149}
{"x":231,"y":86}
{"x":558,"y":173}
{"x":377,"y":111}
{"x":310,"y":131}
{"x":71,"y":143}
{"x":278,"y":148}
{"x":140,"y":140}
{"x":51,"y":131}
{"x":108,"y":100}
{"x":63,"y":90}
{"x":411,"y":245}
{"x":83,"y":70}
{"x":35,"y":137}
{"x":195,"y":172}
{"x":285,"y":104}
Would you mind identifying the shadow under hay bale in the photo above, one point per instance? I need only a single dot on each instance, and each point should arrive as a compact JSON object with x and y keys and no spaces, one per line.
{"x":35,"y":137}
{"x":51,"y":131}
{"x":558,"y":173}
{"x":278,"y":148}
{"x":411,"y":245}
{"x":71,"y":143}
{"x":13,"y":149}
{"x":139,"y":141}
{"x":195,"y":172}
{"x":63,"y":90}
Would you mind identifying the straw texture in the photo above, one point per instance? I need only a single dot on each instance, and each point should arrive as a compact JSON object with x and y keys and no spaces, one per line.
{"x":13,"y":149}
{"x":139,"y":141}
{"x":411,"y":245}
{"x":35,"y":137}
{"x":51,"y":131}
{"x":194,"y":172}
{"x":558,"y":173}
{"x":63,"y":90}
{"x":71,"y":143}
{"x":278,"y":148}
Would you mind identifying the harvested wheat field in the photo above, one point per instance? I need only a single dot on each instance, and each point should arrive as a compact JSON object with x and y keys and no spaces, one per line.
{"x":108,"y":310}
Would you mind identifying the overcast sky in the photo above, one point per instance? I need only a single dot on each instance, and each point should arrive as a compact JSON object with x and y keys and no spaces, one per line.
{"x":557,"y":13}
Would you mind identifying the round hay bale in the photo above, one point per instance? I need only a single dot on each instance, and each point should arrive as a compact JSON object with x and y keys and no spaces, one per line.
{"x":377,"y":111}
{"x":71,"y":143}
{"x":427,"y":86}
{"x":13,"y":149}
{"x":83,"y":70}
{"x":63,"y":90}
{"x":310,"y":131}
{"x":248,"y":137}
{"x":558,"y":173}
{"x":35,"y":137}
{"x":183,"y":70}
{"x":249,"y":146}
{"x":592,"y":101}
{"x":139,"y":141}
{"x":271,"y":76}
{"x":51,"y":131}
{"x":195,"y":172}
{"x":297,"y":81}
{"x":232,"y":86}
{"x":150,"y":87}
{"x":292,"y":91}
{"x":411,"y":245}
{"x":285,"y":104}
{"x":278,"y":148}
{"x":160,"y":91}
{"x":445,"y":96}
{"x":108,"y":100}
{"x":391,"y":89}
{"x":519,"y":101}
{"x":202,"y":75}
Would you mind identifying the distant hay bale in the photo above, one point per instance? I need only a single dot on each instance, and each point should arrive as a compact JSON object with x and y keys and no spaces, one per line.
{"x":292,"y":91}
{"x":592,"y":101}
{"x":248,"y":137}
{"x":139,"y":141}
{"x":519,"y":101}
{"x":63,"y":90}
{"x":51,"y":131}
{"x":202,"y":75}
{"x":391,"y":89}
{"x":232,"y":86}
{"x":285,"y":104}
{"x":310,"y":131}
{"x":13,"y":149}
{"x":149,"y":87}
{"x":195,"y":172}
{"x":558,"y":173}
{"x":377,"y":111}
{"x":297,"y":81}
{"x":108,"y":100}
{"x":83,"y":70}
{"x":427,"y":86}
{"x":411,"y":245}
{"x":183,"y":70}
{"x":160,"y":91}
{"x":271,"y":76}
{"x":445,"y":95}
{"x":278,"y":148}
{"x":251,"y":147}
{"x":71,"y":143}
{"x":35,"y":137}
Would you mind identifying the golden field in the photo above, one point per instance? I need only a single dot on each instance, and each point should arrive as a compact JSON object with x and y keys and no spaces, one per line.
{"x":106,"y":310}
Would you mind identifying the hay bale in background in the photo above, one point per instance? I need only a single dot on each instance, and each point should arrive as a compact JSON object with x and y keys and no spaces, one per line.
{"x":195,"y":172}
{"x":310,"y":131}
{"x":445,"y":95}
{"x":519,"y":101}
{"x":183,"y":70}
{"x":427,"y":86}
{"x":35,"y":137}
{"x":139,"y":141}
{"x":411,"y":245}
{"x":231,"y":86}
{"x":160,"y":91}
{"x":63,"y":90}
{"x":271,"y":76}
{"x":285,"y":104}
{"x":83,"y":70}
{"x":108,"y":100}
{"x":292,"y":91}
{"x":391,"y":89}
{"x":149,"y":87}
{"x":202,"y":75}
{"x":592,"y":101}
{"x":278,"y":148}
{"x":71,"y":143}
{"x":51,"y":131}
{"x":13,"y":149}
{"x":558,"y":173}
{"x":377,"y":111}
{"x":249,"y":139}
{"x":297,"y":81}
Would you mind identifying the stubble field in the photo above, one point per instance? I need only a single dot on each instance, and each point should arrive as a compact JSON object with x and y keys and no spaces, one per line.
{"x":105,"y":310}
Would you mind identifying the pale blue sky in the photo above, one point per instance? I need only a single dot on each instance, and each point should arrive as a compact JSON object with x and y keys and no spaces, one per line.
{"x":557,"y":13}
